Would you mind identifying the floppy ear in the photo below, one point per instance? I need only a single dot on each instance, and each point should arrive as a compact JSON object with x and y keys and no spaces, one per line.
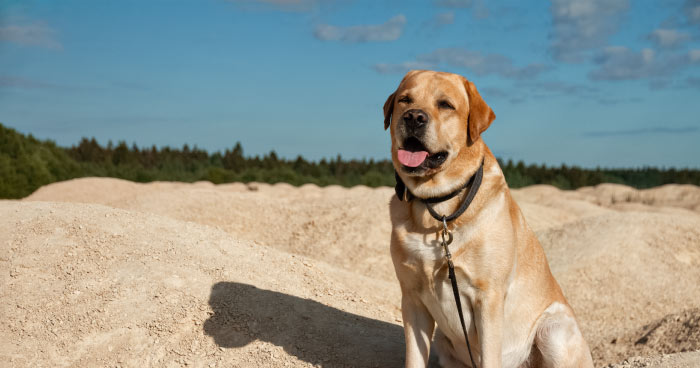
{"x":480,"y":114}
{"x":388,"y":108}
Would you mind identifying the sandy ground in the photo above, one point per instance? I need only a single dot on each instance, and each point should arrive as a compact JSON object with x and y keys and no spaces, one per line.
{"x":105,"y":272}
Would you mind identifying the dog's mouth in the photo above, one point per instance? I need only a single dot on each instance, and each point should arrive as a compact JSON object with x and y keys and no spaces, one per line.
{"x":413,"y":155}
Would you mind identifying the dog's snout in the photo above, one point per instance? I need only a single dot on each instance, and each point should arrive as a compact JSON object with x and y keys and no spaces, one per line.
{"x":415,"y":118}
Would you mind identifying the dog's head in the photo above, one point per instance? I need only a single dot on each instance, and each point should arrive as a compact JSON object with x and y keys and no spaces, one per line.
{"x":435,"y":119}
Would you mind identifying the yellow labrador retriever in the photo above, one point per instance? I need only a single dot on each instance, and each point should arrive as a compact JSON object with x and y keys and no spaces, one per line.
{"x":514,"y":310}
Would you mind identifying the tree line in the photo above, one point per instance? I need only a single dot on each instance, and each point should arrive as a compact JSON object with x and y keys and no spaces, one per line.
{"x":27,"y":163}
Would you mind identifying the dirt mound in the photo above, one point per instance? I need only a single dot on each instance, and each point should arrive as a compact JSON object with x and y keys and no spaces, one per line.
{"x":89,"y":285}
{"x":109,"y":272}
{"x":545,"y":206}
{"x":669,"y":195}
{"x":675,"y":333}
{"x":322,"y":223}
{"x":623,"y":270}
{"x":683,"y":360}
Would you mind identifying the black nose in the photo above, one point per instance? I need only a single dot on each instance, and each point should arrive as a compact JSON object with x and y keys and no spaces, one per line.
{"x":415,"y":119}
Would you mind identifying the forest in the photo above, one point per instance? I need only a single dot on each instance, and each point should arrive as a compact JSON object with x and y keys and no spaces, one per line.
{"x":27,"y":163}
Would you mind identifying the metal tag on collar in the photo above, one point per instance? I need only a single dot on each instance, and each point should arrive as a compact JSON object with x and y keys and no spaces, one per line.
{"x":446,"y":240}
{"x":446,"y":232}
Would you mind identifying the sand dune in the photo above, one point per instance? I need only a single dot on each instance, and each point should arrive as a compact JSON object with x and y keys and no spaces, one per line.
{"x":108,"y":272}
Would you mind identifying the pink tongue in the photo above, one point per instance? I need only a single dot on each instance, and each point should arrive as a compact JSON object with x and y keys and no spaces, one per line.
{"x":412,"y":159}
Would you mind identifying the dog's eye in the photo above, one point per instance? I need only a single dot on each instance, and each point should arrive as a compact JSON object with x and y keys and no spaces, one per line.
{"x":445,"y":105}
{"x":405,"y":99}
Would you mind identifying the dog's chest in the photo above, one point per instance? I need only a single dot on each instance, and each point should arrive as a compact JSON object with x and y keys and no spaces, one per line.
{"x":438,"y":298}
{"x":424,"y":266}
{"x":421,"y":265}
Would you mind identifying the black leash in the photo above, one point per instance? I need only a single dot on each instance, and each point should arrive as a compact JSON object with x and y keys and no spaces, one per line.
{"x":474,"y":183}
{"x":455,"y":288}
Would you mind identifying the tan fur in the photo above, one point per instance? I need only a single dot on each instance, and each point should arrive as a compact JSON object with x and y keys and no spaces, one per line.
{"x":515,"y":311}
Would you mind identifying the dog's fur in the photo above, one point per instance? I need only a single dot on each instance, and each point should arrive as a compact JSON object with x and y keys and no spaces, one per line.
{"x":515,"y":312}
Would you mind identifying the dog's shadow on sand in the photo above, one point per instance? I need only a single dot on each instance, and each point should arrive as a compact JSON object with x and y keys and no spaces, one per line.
{"x":309,"y":330}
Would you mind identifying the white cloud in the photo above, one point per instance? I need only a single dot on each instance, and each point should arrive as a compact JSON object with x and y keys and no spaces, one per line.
{"x":668,"y":38}
{"x":443,"y":19}
{"x":285,"y":5}
{"x":557,"y":86}
{"x":438,"y":21}
{"x":622,"y":63}
{"x":691,"y":9}
{"x":692,"y":82}
{"x":582,"y":25}
{"x":454,"y":3}
{"x":401,"y":68}
{"x":388,"y":31}
{"x":694,"y":56}
{"x":33,"y":34}
{"x":482,"y":64}
{"x":474,"y":61}
{"x":479,"y":8}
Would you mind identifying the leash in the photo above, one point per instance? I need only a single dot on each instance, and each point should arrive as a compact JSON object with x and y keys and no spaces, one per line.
{"x":474,"y":183}
{"x":455,"y":288}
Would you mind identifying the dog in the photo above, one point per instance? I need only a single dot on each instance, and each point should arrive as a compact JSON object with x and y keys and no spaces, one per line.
{"x":514,"y":310}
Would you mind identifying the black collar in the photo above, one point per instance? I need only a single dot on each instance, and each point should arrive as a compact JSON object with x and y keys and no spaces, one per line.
{"x":473,"y":183}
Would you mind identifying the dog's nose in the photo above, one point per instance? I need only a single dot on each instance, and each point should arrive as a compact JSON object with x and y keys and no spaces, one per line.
{"x":415,"y":118}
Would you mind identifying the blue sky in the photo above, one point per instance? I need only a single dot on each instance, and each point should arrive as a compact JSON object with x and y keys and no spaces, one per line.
{"x":611,"y":83}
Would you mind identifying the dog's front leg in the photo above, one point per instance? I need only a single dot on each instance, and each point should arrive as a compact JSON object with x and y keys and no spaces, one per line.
{"x":418,"y":326}
{"x":489,"y":326}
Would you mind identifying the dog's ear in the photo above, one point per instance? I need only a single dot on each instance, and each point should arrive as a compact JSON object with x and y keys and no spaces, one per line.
{"x":388,"y":108}
{"x":480,"y":114}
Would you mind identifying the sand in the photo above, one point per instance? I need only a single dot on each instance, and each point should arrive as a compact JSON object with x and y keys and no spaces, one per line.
{"x":106,"y":272}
